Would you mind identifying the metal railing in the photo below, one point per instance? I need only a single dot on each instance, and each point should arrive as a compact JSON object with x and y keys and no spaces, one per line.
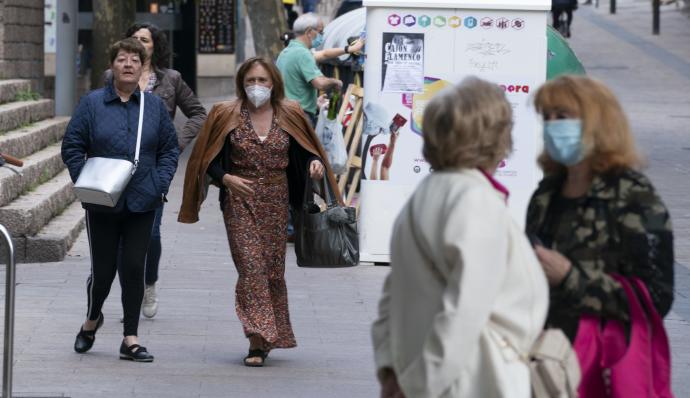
{"x":10,"y":285}
{"x":10,"y":279}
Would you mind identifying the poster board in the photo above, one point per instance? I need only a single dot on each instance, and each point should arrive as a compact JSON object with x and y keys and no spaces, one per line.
{"x":416,"y":49}
{"x":216,"y":24}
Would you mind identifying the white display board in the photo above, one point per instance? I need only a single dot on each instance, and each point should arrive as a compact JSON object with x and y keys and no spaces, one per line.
{"x":50,"y":30}
{"x":412,"y":53}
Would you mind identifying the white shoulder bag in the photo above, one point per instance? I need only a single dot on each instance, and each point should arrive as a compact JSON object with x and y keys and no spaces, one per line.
{"x":102,"y":180}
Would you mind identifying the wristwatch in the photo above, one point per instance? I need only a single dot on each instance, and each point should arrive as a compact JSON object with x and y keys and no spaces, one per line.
{"x":347,"y":49}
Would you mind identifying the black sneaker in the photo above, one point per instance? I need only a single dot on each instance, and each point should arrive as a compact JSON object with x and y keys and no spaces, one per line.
{"x":86,"y":338}
{"x":135,"y":353}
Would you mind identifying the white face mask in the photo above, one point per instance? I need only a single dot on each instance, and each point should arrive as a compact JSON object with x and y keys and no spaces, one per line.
{"x":258,"y":95}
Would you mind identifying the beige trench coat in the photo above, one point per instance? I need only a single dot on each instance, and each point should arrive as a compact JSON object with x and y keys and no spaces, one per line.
{"x":449,"y":306}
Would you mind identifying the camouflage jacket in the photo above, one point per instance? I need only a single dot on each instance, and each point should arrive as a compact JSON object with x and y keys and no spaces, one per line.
{"x":620,"y":226}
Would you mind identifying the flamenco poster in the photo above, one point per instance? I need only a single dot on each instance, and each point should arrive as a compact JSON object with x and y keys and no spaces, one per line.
{"x":402,"y":69}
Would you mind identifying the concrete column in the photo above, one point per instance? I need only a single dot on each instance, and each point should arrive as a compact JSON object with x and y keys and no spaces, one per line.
{"x":66,"y":57}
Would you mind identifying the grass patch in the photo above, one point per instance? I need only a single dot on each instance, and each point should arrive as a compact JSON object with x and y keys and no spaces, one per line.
{"x":44,"y":177}
{"x":27,"y":95}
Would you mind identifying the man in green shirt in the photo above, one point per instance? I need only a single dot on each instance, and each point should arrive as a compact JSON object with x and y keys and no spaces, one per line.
{"x":296,"y":62}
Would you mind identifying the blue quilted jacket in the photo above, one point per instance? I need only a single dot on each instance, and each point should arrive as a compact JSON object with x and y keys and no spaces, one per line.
{"x":104,"y":126}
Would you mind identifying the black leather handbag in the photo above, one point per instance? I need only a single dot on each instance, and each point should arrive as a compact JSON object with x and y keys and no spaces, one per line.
{"x":326,"y":238}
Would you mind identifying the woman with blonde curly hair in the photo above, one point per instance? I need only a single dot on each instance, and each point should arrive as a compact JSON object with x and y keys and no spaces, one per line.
{"x":594,"y":214}
{"x":464,"y":280}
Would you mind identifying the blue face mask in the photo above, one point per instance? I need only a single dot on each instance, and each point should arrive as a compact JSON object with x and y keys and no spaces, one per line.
{"x":563,"y":140}
{"x":318,"y":41}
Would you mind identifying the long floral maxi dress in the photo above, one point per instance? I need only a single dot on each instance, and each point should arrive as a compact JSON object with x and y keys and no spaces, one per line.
{"x":257,"y":231}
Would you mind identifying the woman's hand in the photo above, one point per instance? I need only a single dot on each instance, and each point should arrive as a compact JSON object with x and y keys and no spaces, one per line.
{"x":238,"y":185}
{"x":555,"y":265}
{"x":316,"y":169}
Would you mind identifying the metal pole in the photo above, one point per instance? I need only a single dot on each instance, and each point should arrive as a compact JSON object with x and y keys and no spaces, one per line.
{"x":656,"y":4}
{"x":612,"y":3}
{"x":10,"y":283}
{"x":66,"y":56}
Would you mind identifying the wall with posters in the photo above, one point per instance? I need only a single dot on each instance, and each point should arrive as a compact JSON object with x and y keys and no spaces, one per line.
{"x":414,"y":52}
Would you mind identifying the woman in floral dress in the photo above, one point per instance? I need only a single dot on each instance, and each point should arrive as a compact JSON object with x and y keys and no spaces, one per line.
{"x":260,"y":148}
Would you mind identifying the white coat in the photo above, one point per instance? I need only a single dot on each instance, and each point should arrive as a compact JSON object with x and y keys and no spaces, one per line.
{"x":452,"y":308}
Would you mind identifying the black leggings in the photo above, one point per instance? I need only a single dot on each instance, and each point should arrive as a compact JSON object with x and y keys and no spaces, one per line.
{"x":106,"y":231}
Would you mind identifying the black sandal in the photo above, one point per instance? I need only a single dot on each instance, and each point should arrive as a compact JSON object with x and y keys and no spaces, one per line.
{"x":86,"y":338}
{"x":257,"y":353}
{"x":135,"y":353}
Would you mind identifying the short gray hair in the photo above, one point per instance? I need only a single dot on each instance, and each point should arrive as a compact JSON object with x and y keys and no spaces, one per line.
{"x":304,"y":22}
{"x":467,"y":126}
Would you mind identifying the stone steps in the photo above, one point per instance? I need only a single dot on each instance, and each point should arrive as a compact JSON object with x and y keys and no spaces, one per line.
{"x":53,"y":241}
{"x":37,"y":201}
{"x":30,"y":212}
{"x":23,"y":142}
{"x":38,"y":168}
{"x":19,"y":114}
{"x":10,"y":88}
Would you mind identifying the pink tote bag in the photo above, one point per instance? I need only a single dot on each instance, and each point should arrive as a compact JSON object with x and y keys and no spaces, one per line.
{"x":612,"y":367}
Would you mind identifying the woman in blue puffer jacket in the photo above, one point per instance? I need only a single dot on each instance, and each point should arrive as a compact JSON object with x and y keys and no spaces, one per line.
{"x":105,"y":124}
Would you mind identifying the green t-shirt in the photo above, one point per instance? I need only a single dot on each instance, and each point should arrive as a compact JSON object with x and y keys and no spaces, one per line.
{"x":298,"y":67}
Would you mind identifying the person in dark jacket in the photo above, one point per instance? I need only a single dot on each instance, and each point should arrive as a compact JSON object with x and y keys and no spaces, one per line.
{"x":105,"y":124}
{"x":167,"y":84}
{"x":594,"y":214}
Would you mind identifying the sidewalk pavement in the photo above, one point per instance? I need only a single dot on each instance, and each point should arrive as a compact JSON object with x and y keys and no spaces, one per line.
{"x":196,"y":337}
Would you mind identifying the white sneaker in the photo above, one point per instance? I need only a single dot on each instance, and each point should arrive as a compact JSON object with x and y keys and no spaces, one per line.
{"x":150,"y":305}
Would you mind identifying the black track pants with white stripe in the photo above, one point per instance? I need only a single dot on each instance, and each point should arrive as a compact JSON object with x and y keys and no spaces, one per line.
{"x":105,"y":231}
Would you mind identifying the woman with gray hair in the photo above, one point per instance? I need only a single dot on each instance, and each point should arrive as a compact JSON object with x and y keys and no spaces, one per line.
{"x":466,"y":297}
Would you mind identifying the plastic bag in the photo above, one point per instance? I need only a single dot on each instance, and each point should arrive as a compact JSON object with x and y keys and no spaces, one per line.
{"x":331,"y":137}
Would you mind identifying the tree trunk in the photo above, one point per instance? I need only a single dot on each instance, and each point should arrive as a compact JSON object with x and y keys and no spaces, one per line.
{"x":268,"y":22}
{"x":110,"y":21}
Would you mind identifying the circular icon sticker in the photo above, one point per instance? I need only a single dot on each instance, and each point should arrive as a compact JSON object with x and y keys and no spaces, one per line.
{"x":394,"y":20}
{"x":440,"y":21}
{"x":470,"y":22}
{"x":417,"y":169}
{"x":409,"y":20}
{"x":503,"y":23}
{"x":424,"y":21}
{"x":454,"y":22}
{"x":518,"y":23}
{"x":487,"y":23}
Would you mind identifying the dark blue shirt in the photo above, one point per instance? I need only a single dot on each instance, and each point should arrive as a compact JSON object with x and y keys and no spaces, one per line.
{"x":104,"y":126}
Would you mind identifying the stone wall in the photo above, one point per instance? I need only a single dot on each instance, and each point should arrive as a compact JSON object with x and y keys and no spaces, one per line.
{"x":21,"y":41}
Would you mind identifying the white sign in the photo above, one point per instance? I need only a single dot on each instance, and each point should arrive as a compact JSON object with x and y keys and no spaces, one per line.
{"x":402,"y":69}
{"x":50,"y":29}
{"x":507,"y":47}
